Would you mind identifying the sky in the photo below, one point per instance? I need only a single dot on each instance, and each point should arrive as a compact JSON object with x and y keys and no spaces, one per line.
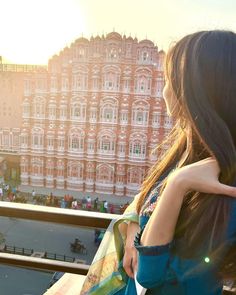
{"x":31,"y":31}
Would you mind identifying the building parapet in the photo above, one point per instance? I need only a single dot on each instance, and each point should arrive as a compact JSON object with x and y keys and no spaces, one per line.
{"x":22,"y":68}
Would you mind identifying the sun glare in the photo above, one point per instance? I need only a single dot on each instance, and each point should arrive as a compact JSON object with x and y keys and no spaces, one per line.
{"x":36,"y":30}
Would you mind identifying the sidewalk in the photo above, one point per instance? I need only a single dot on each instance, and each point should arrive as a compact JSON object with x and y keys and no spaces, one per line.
{"x":77,"y":195}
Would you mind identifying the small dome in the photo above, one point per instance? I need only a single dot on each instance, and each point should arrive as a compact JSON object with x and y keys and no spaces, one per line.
{"x":146,"y":42}
{"x":114,"y":36}
{"x":130,"y":38}
{"x":81,"y":40}
{"x":97,"y":38}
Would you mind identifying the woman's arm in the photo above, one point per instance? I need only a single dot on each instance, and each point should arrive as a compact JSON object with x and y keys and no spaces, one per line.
{"x":156,"y":240}
{"x":161,"y":225}
{"x":201,"y":176}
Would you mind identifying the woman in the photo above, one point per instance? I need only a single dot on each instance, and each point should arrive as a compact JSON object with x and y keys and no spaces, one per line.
{"x":187,"y":202}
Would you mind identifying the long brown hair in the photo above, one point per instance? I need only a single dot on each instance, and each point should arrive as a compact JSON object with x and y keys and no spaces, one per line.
{"x":201,"y":70}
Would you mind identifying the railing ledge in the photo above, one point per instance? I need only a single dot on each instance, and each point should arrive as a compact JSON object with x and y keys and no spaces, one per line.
{"x":58,"y":215}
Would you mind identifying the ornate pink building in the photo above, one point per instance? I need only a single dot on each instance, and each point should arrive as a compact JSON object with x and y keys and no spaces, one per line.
{"x":11,"y":98}
{"x":91,"y":122}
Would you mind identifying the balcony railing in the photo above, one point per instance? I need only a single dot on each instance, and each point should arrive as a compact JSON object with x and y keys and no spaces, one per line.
{"x":55,"y":215}
{"x":61,"y":216}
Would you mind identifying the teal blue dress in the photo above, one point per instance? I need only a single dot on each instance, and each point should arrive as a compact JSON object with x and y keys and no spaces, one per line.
{"x":164,"y":273}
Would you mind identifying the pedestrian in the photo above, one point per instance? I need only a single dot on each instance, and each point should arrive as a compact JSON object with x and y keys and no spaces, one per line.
{"x":95,"y":204}
{"x":63,"y":203}
{"x":6,"y":188}
{"x":89,"y":203}
{"x":14,"y":190}
{"x":74,"y":204}
{"x":1,"y":193}
{"x":105,"y":206}
{"x":84,"y":203}
{"x":112,"y":209}
{"x":122,"y":209}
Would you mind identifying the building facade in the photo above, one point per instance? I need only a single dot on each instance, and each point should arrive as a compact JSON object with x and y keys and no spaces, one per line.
{"x":11,"y":98}
{"x":91,"y":121}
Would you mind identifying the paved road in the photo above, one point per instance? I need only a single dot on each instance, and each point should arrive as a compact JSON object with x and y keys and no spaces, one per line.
{"x":40,"y":236}
{"x":78,"y":195}
{"x":16,"y":281}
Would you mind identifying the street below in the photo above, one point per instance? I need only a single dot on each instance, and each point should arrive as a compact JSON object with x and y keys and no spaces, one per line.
{"x":41,"y":237}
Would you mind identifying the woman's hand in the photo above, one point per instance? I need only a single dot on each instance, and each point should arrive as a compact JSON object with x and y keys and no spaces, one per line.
{"x":202,"y":177}
{"x":130,"y":255}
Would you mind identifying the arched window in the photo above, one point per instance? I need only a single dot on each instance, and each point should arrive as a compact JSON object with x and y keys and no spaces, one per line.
{"x":52,"y":111}
{"x":143,"y":81}
{"x":111,"y":79}
{"x":159,"y":86}
{"x":143,"y":84}
{"x":108,"y":113}
{"x":75,"y":143}
{"x":81,"y":52}
{"x":37,"y":138}
{"x":60,"y":169}
{"x":145,"y":56}
{"x":108,"y":110}
{"x":79,"y":81}
{"x":24,"y":165}
{"x":61,"y":142}
{"x":76,"y":140}
{"x":65,"y":83}
{"x":124,"y":117}
{"x":112,"y":53}
{"x":78,"y":111}
{"x":91,"y":146}
{"x":126,"y":85}
{"x":137,"y":146}
{"x":105,"y":173}
{"x":24,"y":139}
{"x":75,"y":170}
{"x":90,"y":172}
{"x":156,"y":119}
{"x":53,"y":84}
{"x":26,"y":108}
{"x":39,"y":107}
{"x":37,"y":166}
{"x":93,"y":114}
{"x":121,"y":149}
{"x":135,"y":176}
{"x":106,"y":143}
{"x":50,"y":141}
{"x":63,"y":111}
{"x":140,"y":112}
{"x":50,"y":168}
{"x":167,"y":121}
